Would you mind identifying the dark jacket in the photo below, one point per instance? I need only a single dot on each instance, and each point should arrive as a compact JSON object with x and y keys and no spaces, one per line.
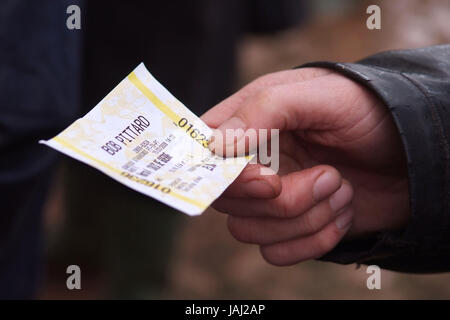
{"x":39,"y":81}
{"x":415,"y":86}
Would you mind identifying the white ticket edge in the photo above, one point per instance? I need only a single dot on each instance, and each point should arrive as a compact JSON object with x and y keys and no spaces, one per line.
{"x":188,"y":205}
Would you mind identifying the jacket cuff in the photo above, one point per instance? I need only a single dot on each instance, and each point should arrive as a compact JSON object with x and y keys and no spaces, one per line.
{"x":417,"y":121}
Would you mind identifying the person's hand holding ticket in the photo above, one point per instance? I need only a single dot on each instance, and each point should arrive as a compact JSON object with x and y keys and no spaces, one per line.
{"x":342,"y":168}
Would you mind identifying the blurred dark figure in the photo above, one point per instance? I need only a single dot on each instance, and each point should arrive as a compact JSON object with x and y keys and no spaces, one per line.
{"x":190,"y":46}
{"x":39,"y":83}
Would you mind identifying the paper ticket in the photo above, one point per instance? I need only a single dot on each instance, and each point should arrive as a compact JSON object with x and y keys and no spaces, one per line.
{"x":143,"y":137}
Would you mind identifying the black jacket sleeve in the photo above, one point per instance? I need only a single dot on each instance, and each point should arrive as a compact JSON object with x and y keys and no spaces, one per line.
{"x":415,"y":86}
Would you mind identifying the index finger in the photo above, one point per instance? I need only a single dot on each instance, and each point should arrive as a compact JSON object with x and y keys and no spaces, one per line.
{"x":225,"y":109}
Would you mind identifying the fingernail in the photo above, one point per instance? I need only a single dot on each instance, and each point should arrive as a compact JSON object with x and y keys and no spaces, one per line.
{"x":266,"y":171}
{"x":232,"y":130}
{"x":232,"y":123}
{"x":226,"y":134}
{"x":326,"y":184}
{"x":212,"y":140}
{"x":341,"y":198}
{"x":344,"y":220}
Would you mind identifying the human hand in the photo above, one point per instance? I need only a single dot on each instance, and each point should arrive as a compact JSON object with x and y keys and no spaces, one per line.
{"x":342,"y":165}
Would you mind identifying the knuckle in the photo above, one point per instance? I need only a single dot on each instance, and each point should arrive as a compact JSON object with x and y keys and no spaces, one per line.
{"x":282,"y":209}
{"x":264,"y":97}
{"x":288,"y":204}
{"x":309,"y":222}
{"x":306,"y":223}
{"x":317,"y":218}
{"x":326,"y":241}
{"x":273,"y":255}
{"x":235,"y":228}
{"x":270,"y":255}
{"x":242,"y":229}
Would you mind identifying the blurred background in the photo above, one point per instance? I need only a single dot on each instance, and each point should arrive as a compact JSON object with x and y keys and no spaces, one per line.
{"x":129,"y":246}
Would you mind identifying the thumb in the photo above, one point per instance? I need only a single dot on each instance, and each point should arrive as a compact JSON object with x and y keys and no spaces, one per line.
{"x":295,"y":106}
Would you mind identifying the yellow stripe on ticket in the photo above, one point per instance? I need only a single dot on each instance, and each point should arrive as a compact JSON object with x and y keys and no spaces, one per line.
{"x":153,"y":98}
{"x":68,"y":145}
{"x":140,"y":155}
